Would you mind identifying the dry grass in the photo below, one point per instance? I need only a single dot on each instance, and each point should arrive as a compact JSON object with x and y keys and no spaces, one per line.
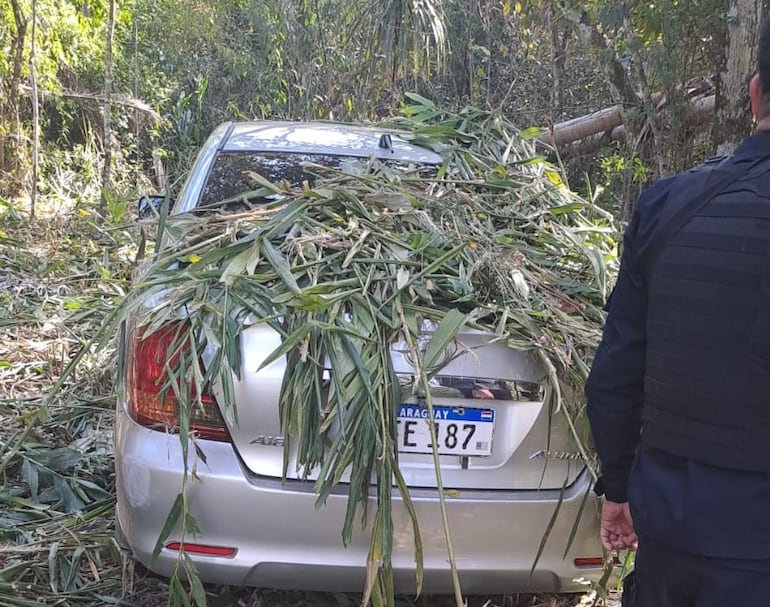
{"x":58,"y":279}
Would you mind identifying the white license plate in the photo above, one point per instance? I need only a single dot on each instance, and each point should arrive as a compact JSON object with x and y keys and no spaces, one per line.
{"x":459,"y":430}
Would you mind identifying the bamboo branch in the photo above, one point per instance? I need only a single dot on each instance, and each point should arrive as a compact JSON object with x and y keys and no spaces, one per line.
{"x":116,"y":99}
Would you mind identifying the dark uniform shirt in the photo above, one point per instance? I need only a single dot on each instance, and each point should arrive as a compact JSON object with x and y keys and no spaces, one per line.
{"x":710,"y":511}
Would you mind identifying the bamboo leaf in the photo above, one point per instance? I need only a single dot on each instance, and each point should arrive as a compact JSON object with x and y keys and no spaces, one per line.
{"x":578,"y":518}
{"x":236,"y":266}
{"x":549,"y":527}
{"x":177,"y":591}
{"x":427,"y":103}
{"x":292,"y":341}
{"x":196,"y":587}
{"x":412,"y":513}
{"x":444,"y":334}
{"x":280,"y":266}
{"x":52,"y":566}
{"x":172,"y":519}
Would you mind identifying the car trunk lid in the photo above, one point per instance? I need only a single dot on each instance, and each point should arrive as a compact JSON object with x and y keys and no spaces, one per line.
{"x":493,"y":424}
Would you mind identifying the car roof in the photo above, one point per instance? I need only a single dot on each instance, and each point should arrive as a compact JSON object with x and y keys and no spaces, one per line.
{"x":325,"y":138}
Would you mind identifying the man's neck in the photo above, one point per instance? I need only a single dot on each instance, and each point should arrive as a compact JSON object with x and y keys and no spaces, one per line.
{"x":763,"y":125}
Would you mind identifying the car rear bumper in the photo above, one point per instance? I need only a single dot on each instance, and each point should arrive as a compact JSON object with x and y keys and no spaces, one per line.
{"x":283,"y":540}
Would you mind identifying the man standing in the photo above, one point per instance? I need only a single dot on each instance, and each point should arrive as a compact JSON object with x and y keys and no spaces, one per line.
{"x":679,"y":392}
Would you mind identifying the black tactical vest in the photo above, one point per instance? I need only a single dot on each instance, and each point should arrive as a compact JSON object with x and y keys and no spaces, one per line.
{"x":707,"y":378}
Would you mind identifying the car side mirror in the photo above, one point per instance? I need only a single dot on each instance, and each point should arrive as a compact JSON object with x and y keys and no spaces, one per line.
{"x":152,"y":205}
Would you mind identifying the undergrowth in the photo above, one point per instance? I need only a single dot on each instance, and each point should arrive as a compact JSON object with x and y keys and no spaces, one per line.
{"x":59,"y":278}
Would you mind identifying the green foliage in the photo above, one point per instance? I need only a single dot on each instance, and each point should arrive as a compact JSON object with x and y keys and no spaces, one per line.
{"x":70,"y":42}
{"x":616,"y":173}
{"x":198,"y":63}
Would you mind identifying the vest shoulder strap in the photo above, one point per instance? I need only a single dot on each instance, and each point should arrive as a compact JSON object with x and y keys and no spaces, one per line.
{"x":689,"y":194}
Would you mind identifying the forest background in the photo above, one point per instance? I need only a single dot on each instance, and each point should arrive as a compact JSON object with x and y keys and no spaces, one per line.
{"x":672,"y":74}
{"x":104,"y":100}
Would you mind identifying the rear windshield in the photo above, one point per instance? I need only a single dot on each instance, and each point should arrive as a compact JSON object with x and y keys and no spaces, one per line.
{"x":232,"y":176}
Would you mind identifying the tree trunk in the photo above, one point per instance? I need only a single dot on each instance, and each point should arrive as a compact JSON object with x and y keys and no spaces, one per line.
{"x":12,"y":155}
{"x":586,"y":133}
{"x":35,"y":114}
{"x":591,"y":35}
{"x":584,"y":127}
{"x":733,"y":115}
{"x":468,"y":76}
{"x":107,"y":142}
{"x":558,"y":58}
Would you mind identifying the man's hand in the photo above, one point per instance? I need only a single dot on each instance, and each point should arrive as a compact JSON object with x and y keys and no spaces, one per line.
{"x":617,"y":527}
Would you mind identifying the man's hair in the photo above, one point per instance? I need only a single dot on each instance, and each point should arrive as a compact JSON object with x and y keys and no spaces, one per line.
{"x":763,"y":57}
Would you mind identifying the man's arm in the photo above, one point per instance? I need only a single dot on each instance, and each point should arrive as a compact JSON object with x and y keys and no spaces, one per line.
{"x":615,"y":386}
{"x":615,"y":391}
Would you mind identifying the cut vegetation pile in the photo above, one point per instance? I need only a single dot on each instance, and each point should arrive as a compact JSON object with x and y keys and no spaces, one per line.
{"x":58,"y":279}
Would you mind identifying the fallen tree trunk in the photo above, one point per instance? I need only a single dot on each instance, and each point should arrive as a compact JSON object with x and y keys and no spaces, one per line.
{"x":587,"y":133}
{"x":584,"y":127}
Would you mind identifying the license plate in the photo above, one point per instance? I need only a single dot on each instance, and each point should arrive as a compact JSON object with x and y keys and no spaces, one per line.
{"x":459,"y":430}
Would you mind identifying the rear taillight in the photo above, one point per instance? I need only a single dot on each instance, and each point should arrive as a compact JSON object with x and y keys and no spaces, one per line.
{"x":151,"y":402}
